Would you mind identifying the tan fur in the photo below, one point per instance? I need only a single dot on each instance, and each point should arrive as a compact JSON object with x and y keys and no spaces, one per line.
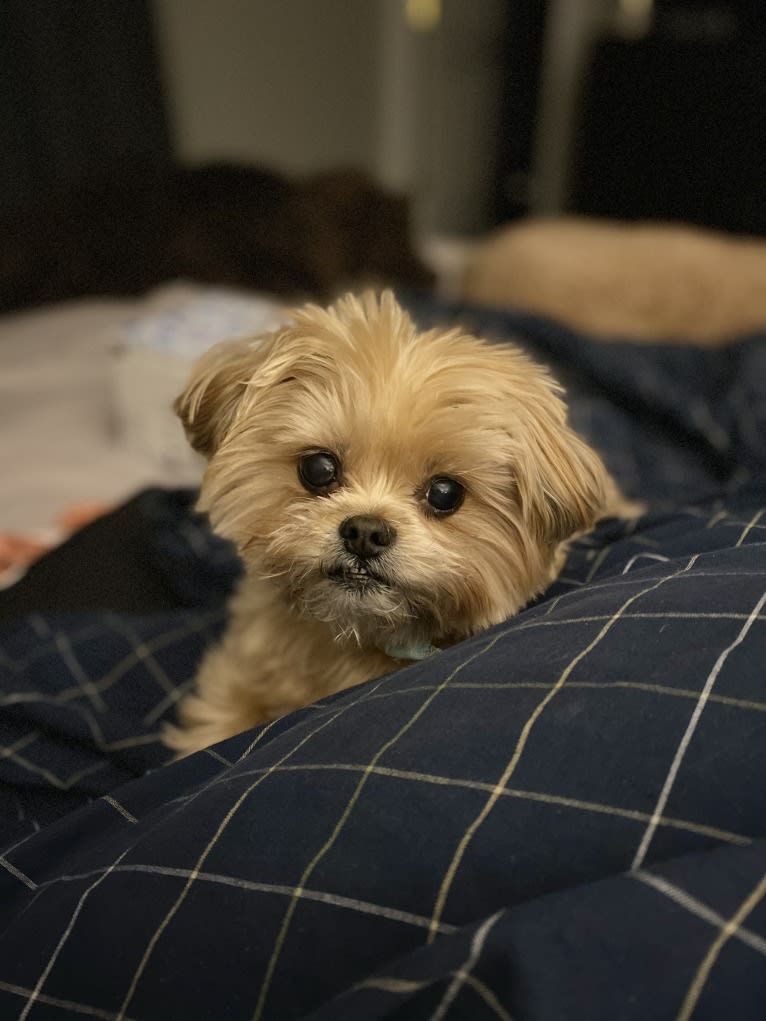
{"x":637,"y":281}
{"x":397,"y":408}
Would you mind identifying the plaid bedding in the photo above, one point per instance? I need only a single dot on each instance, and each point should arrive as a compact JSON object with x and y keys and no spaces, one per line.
{"x":561,"y":818}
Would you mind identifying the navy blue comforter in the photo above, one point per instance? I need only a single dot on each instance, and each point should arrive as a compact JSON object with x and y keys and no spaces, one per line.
{"x":562,"y":818}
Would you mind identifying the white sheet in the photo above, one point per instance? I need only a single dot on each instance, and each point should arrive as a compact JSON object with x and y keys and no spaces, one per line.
{"x":58,"y":442}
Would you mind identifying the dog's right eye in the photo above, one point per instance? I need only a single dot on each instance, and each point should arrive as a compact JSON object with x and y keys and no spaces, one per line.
{"x":318,"y":472}
{"x":444,"y":495}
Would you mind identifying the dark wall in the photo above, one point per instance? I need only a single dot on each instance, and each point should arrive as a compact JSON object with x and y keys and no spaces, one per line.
{"x":79,"y":91}
{"x":673,"y":126}
{"x":522,"y":54}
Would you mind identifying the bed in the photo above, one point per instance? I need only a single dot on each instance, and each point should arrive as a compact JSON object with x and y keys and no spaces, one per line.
{"x":563,"y":817}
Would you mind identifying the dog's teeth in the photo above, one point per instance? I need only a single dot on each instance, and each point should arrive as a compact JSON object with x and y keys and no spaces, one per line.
{"x":357,"y":576}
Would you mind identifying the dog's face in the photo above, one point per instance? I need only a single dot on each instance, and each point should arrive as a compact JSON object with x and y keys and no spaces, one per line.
{"x":403,"y":488}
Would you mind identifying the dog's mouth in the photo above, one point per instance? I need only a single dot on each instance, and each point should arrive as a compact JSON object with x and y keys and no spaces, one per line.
{"x":356,"y":577}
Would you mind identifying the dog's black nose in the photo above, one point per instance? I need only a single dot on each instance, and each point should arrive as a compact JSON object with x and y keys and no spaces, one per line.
{"x":366,"y":536}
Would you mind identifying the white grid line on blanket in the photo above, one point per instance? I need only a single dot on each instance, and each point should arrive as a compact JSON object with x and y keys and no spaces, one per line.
{"x":75,"y":668}
{"x":404,"y":987}
{"x":719,"y":513}
{"x":753,"y":523}
{"x":489,"y":997}
{"x":602,"y":585}
{"x":201,"y":623}
{"x":744,"y":573}
{"x":257,"y":740}
{"x":644,"y":556}
{"x":160,"y":641}
{"x":17,"y":873}
{"x":175,"y":634}
{"x":689,"y":733}
{"x":698,"y":908}
{"x":41,"y":651}
{"x":55,"y":781}
{"x":61,"y":783}
{"x":739,"y":617}
{"x":449,"y":876}
{"x":35,"y":993}
{"x":55,"y":1001}
{"x":150,"y":718}
{"x":706,"y":966}
{"x":551,"y":606}
{"x":546,"y":621}
{"x":130,"y":742}
{"x":170,"y":914}
{"x":616,"y":581}
{"x":39,"y":698}
{"x":597,"y":562}
{"x":145,"y":651}
{"x":97,"y":734}
{"x":724,"y":519}
{"x":391,"y":984}
{"x":144,"y":655}
{"x":278,"y":889}
{"x":63,"y":644}
{"x":612,"y":581}
{"x":344,"y":816}
{"x":716,"y":518}
{"x":633,"y":815}
{"x":10,"y":750}
{"x":459,"y":979}
{"x":562,"y":801}
{"x":119,"y":808}
{"x":218,"y":757}
{"x":22,"y":840}
{"x":657,"y":689}
{"x":182,"y":801}
{"x":92,"y":689}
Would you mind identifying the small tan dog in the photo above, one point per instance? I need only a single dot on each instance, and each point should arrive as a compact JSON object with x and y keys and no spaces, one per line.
{"x":389,"y":492}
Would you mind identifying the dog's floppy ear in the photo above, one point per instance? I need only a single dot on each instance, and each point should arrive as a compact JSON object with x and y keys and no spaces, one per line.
{"x":562,"y":483}
{"x":208,"y":405}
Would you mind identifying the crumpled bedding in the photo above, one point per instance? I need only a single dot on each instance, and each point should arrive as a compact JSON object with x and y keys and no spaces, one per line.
{"x":563,"y":817}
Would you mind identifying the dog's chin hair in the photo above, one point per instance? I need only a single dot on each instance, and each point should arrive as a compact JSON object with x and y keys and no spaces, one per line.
{"x":391,"y":608}
{"x":401,"y":610}
{"x":369,"y":619}
{"x":309,"y":593}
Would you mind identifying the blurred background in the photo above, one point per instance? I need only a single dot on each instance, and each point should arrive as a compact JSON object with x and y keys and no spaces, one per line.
{"x":478,"y":111}
{"x":286,"y":149}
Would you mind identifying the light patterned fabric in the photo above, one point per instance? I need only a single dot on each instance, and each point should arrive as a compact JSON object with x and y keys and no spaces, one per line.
{"x":561,"y":818}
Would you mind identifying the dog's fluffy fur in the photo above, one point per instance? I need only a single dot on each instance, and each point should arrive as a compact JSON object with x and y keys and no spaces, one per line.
{"x":397,"y":409}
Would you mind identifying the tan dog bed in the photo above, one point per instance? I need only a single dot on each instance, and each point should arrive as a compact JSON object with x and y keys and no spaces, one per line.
{"x":638,"y":281}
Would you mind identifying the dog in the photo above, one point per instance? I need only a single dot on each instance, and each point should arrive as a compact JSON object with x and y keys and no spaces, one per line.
{"x":389,"y":492}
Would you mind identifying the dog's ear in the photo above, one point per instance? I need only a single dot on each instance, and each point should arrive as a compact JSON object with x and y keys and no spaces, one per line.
{"x":562,"y":483}
{"x":208,"y":405}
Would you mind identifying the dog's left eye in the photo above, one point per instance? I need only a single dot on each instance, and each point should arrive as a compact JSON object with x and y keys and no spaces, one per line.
{"x":444,"y":495}
{"x":318,"y":471}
